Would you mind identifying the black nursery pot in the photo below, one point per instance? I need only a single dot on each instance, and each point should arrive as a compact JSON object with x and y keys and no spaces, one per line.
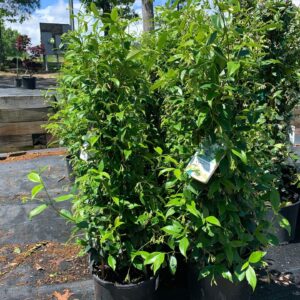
{"x":224,"y":290}
{"x":70,"y":168}
{"x":18,"y":82}
{"x":291,"y":214}
{"x":29,"y":83}
{"x":145,"y":290}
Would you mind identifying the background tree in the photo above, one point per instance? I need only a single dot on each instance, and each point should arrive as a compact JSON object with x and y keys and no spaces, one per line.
{"x":13,"y":11}
{"x":9,"y":40}
{"x":148,"y":15}
{"x":107,"y":5}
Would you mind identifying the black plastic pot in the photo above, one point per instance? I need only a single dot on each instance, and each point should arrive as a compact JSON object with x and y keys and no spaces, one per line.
{"x":18,"y":82}
{"x":291,"y":213}
{"x":105,"y":290}
{"x":70,"y":168}
{"x":224,"y":290}
{"x":29,"y":83}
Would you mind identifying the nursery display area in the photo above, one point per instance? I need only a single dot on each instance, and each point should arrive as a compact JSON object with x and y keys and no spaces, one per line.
{"x":183,"y":181}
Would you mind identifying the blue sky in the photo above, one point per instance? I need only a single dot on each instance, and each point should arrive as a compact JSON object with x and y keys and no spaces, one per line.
{"x":56,"y":11}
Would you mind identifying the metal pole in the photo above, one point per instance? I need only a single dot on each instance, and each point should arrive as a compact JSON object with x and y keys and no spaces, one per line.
{"x":71,"y":11}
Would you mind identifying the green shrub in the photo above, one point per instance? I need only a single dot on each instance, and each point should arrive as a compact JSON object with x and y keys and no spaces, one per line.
{"x":133,"y":112}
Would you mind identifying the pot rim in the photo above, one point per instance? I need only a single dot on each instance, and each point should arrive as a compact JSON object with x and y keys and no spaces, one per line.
{"x":124,"y":286}
{"x":291,"y":205}
{"x":27,"y":77}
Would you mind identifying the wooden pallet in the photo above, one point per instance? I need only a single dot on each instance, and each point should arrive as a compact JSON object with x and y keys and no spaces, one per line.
{"x":21,"y":120}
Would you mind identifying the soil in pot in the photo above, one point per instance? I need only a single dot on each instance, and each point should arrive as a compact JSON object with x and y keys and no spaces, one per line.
{"x":105,"y":290}
{"x":224,"y":290}
{"x":29,"y":83}
{"x":18,"y":82}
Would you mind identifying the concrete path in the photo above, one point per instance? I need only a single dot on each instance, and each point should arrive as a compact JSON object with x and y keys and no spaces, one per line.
{"x":34,"y":261}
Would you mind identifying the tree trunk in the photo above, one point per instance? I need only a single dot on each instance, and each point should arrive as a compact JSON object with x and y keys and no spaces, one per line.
{"x":2,"y":55}
{"x":148,"y":15}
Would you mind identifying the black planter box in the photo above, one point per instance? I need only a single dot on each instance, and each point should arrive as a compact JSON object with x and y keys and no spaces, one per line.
{"x":29,"y":83}
{"x":18,"y":82}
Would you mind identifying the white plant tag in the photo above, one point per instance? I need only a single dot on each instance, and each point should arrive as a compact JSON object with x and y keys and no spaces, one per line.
{"x":203,"y":164}
{"x":83,"y":153}
{"x":292,"y":134}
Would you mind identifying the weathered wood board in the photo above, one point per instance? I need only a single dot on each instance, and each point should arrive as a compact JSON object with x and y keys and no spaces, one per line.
{"x":9,"y":129}
{"x":22,"y":102}
{"x":15,"y":143}
{"x":24,"y":115}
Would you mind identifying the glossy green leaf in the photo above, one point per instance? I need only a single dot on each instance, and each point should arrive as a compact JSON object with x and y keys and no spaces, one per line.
{"x":233,"y":67}
{"x":112,"y":262}
{"x":173,"y":264}
{"x":251,"y":277}
{"x":256,"y":257}
{"x":213,"y":220}
{"x":36,"y":190}
{"x":183,"y":246}
{"x":241,"y":154}
{"x":36,"y":211}
{"x":34,"y":177}
{"x":114,"y":14}
{"x":63,"y":198}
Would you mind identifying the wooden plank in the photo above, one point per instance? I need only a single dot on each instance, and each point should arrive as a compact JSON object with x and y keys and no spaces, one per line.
{"x":21,"y":128}
{"x":15,"y":143}
{"x":23,"y":102}
{"x":24,"y":115}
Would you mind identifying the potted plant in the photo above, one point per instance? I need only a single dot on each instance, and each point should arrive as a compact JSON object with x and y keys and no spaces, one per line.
{"x":289,"y":204}
{"x":29,"y":82}
{"x":22,"y":42}
{"x":280,"y":92}
{"x":204,"y":75}
{"x":104,"y":115}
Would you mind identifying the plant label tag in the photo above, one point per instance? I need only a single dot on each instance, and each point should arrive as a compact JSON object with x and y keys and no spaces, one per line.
{"x":204,"y":163}
{"x":292,"y":134}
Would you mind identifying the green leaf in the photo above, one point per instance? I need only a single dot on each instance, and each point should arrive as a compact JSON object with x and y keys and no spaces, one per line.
{"x":245,"y":266}
{"x":63,"y":198}
{"x":183,"y":246}
{"x":192,"y":209}
{"x":242,"y":155}
{"x":112,"y":262}
{"x":114,"y":14}
{"x":172,"y":230}
{"x":213,"y":220}
{"x":34,"y":177}
{"x":177,"y":173}
{"x":251,"y":277}
{"x":229,"y":253}
{"x":133,"y":54}
{"x":173,"y":264}
{"x":256,"y":256}
{"x":275,"y":199}
{"x":201,"y":119}
{"x":94,"y":9}
{"x":127,"y":153}
{"x":212,"y":38}
{"x":39,"y":209}
{"x":66,"y":214}
{"x":227,"y":275}
{"x":284,"y":223}
{"x":158,"y":262}
{"x":155,"y":258}
{"x":233,"y":67}
{"x":158,"y":150}
{"x":36,"y":190}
